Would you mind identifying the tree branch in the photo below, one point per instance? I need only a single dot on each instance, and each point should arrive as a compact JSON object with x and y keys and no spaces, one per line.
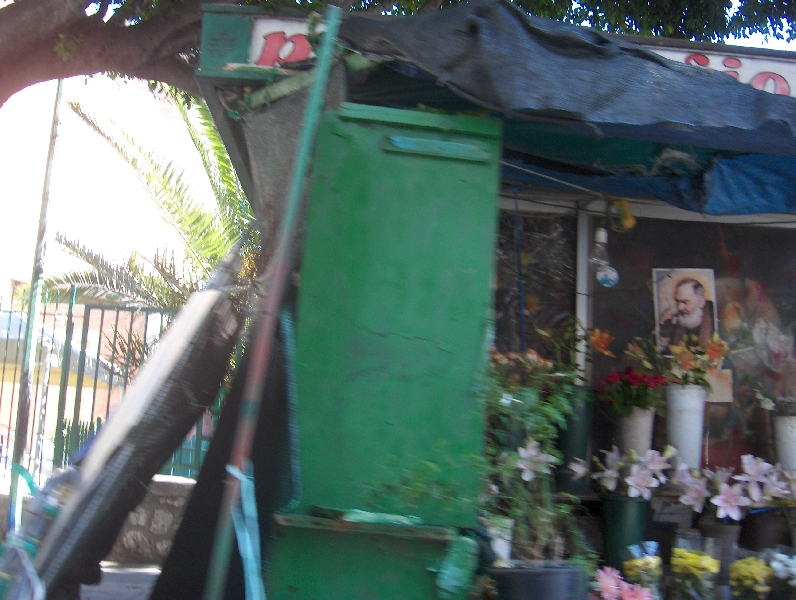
{"x":148,"y":50}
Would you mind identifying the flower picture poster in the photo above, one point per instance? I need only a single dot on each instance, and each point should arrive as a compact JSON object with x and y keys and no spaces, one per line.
{"x":685,"y":303}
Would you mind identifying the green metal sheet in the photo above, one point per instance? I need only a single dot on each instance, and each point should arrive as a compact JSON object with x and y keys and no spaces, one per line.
{"x":394,"y":309}
{"x":225,"y":39}
{"x":335,"y":563}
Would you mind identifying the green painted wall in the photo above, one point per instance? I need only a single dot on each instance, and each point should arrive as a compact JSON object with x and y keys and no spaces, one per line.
{"x":394,"y":309}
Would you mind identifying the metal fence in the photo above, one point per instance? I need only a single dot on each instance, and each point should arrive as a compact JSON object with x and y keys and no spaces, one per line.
{"x":85,"y":356}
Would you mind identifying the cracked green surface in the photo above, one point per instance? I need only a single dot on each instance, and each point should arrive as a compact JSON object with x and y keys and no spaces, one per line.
{"x":394,"y":306}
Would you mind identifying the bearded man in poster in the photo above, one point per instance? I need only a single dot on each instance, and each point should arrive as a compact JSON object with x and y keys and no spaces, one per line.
{"x":693,"y":314}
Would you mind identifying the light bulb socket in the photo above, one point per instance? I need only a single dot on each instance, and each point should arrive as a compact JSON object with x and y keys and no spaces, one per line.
{"x":600,"y":236}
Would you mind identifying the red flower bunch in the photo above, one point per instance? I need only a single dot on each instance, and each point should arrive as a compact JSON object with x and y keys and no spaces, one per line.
{"x":632,"y":389}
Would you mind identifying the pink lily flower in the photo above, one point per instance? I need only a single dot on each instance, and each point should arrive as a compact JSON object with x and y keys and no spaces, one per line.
{"x":640,"y":482}
{"x":729,"y":501}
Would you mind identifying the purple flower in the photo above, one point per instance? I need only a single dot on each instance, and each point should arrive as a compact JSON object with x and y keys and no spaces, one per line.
{"x":729,"y":501}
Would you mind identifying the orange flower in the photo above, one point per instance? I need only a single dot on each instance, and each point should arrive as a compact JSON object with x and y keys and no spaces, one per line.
{"x":600,"y":340}
{"x":717,"y":350}
{"x":684,"y":356}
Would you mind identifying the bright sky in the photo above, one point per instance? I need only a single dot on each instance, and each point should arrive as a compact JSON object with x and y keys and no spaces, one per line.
{"x":94,"y":196}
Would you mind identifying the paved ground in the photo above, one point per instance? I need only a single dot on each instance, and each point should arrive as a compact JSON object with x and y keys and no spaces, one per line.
{"x":121,"y":582}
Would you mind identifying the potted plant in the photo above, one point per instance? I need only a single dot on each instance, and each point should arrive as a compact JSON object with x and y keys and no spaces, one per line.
{"x":627,"y":481}
{"x":571,"y":348}
{"x":783,"y":566}
{"x":723,"y":498}
{"x":685,"y":370}
{"x":635,"y":398}
{"x":526,"y":404}
{"x":750,"y":578}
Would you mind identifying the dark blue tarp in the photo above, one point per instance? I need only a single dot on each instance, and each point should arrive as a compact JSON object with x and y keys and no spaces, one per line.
{"x":528,"y":68}
{"x":748,"y":184}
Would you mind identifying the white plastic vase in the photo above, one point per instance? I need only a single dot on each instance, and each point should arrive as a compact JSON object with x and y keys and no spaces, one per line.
{"x":685,"y":414}
{"x":500,"y":529}
{"x":785,"y":438}
{"x":635,"y":430}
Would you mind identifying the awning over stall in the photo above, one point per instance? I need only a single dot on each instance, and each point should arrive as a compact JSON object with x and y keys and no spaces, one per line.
{"x":589,"y":107}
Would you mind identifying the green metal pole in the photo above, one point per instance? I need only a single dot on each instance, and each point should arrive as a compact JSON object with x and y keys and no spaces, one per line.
{"x":29,"y":345}
{"x":255,"y":380}
{"x":58,"y":454}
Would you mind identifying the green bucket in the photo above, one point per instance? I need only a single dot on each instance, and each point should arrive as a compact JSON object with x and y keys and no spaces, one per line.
{"x":573,"y":442}
{"x":624,"y":522}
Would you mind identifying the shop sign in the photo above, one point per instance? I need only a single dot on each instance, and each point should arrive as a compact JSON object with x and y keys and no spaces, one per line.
{"x":775,"y":75}
{"x":276,"y":42}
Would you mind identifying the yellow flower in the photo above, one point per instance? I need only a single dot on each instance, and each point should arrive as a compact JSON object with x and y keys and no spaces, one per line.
{"x":750,"y":575}
{"x":693,"y":563}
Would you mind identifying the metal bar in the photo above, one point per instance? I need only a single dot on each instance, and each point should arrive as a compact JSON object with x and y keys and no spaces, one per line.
{"x":5,"y":356}
{"x":197,"y":444}
{"x":127,"y":353}
{"x":97,"y":364}
{"x":11,"y":416}
{"x":582,"y":286}
{"x":144,"y":347}
{"x":112,"y":365}
{"x":520,"y":275}
{"x":261,"y":351}
{"x":39,"y":453}
{"x":15,"y":507}
{"x":66,"y":359}
{"x":81,"y":367}
{"x":38,"y":369}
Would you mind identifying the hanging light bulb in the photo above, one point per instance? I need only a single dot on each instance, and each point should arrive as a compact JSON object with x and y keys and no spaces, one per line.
{"x":599,"y":262}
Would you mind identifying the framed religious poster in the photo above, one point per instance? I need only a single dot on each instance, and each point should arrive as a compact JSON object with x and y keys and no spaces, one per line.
{"x":685,"y":303}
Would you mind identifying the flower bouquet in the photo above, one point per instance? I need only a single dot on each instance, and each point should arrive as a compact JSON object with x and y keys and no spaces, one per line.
{"x":635,"y":398}
{"x":750,"y":578}
{"x":694,"y":574}
{"x":644,"y":568}
{"x":759,"y":485}
{"x":783,"y":566}
{"x":609,"y":585}
{"x":687,"y":362}
{"x":628,"y":481}
{"x":633,"y":390}
{"x":628,"y":474}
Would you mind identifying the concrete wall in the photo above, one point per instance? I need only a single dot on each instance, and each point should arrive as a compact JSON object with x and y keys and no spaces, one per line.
{"x":145,"y":538}
{"x":147,"y":534}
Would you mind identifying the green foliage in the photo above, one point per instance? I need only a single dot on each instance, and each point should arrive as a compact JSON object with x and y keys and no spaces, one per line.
{"x":526,"y":406}
{"x":207,"y":235}
{"x":708,"y":20}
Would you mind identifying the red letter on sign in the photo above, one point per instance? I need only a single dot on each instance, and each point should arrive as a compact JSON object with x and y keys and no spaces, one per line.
{"x":270,"y":54}
{"x":760,"y":80}
{"x":697,"y":60}
{"x":276,"y":42}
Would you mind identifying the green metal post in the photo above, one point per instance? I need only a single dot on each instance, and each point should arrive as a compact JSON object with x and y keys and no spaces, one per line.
{"x":58,"y":455}
{"x":21,"y":428}
{"x":255,"y":383}
{"x":74,"y":440}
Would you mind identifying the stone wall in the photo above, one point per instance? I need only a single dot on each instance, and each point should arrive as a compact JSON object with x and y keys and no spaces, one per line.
{"x":147,"y":534}
{"x":145,"y":538}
